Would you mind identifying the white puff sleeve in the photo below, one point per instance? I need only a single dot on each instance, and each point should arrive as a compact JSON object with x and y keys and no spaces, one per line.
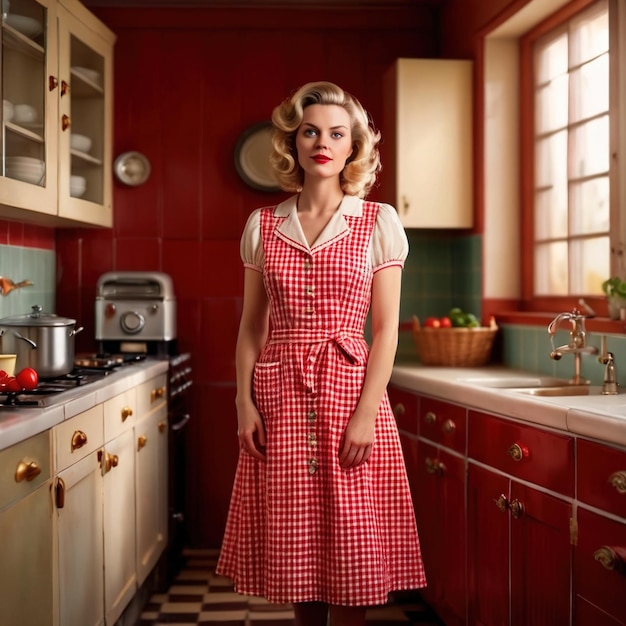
{"x":389,"y":245}
{"x":251,"y":245}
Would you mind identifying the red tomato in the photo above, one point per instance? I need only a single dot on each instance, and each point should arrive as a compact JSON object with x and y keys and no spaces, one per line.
{"x":432,"y":322}
{"x":445,"y":322}
{"x":12,"y":384}
{"x":3,"y":375}
{"x":27,"y":378}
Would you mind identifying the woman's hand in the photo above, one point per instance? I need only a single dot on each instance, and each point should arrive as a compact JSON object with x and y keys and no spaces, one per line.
{"x":357,"y":441}
{"x":251,"y":431}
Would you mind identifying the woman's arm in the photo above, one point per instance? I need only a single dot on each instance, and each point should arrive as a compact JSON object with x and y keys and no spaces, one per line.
{"x":359,"y":435}
{"x":253,"y":329}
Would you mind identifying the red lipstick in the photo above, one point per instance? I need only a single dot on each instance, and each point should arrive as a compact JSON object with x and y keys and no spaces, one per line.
{"x":320,"y":158}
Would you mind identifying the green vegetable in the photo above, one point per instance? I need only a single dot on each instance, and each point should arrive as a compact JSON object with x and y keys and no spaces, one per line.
{"x":460,"y":319}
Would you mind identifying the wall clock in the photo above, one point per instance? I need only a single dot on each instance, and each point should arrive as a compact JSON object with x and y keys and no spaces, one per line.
{"x":252,"y":154}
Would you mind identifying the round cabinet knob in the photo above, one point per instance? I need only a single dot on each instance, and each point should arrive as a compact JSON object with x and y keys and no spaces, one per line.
{"x":399,"y":409}
{"x":517,"y":508}
{"x":448,"y":427}
{"x":132,"y":322}
{"x":126,"y":413}
{"x":618,"y":480}
{"x":612,"y":559}
{"x":430,"y":417}
{"x":517,"y":452}
{"x":142,"y":440}
{"x":434,"y":467}
{"x":27,"y":470}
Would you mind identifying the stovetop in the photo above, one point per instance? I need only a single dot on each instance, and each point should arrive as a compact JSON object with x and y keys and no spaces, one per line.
{"x":89,"y":369}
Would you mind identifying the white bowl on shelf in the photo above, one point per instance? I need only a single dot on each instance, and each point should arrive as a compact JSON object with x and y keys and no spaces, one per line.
{"x":7,"y":110}
{"x":78,"y":186}
{"x":82,"y":143}
{"x":26,"y":169}
{"x":25,"y":25}
{"x":24,"y":114}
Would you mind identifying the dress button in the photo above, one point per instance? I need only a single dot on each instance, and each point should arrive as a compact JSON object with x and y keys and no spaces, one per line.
{"x":309,"y":310}
{"x":313,"y":440}
{"x":309,"y":290}
{"x":311,"y":416}
{"x":313,"y":465}
{"x":307,"y":264}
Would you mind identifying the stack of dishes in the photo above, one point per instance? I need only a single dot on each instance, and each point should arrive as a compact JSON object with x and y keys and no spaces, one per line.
{"x":28,"y":169}
{"x":82,"y":143}
{"x":78,"y":185}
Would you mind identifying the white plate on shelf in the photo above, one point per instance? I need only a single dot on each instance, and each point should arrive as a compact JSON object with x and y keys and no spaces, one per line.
{"x":89,"y":74}
{"x":25,"y":25}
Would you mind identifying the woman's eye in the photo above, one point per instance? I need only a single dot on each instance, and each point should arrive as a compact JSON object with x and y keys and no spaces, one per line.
{"x":337,"y":135}
{"x":310,"y":132}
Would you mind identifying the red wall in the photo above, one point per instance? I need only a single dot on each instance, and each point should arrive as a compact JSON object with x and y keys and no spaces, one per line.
{"x":187,"y":83}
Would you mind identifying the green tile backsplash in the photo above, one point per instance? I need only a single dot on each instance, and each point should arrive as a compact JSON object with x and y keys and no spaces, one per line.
{"x":39,"y":266}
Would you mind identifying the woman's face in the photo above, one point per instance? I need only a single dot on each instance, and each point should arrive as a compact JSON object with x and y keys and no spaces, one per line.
{"x":324,"y":140}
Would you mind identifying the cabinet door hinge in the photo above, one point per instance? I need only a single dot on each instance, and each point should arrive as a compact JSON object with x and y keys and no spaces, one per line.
{"x":573,"y":531}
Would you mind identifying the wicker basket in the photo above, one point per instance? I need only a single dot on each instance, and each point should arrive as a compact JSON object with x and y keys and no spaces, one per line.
{"x":460,"y":347}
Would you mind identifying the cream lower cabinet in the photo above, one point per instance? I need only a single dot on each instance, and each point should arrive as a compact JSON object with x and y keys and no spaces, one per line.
{"x":151,"y":475}
{"x":118,"y":466}
{"x":78,"y":501}
{"x":26,"y":535}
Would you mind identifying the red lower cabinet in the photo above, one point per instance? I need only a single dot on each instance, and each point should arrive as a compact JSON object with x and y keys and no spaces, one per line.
{"x":600,"y":570}
{"x":441,"y":520}
{"x":519,"y":553}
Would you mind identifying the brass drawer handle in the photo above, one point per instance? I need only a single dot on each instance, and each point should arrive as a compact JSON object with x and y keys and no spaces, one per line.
{"x":618,"y":480}
{"x":430,"y":417}
{"x":126,"y":413}
{"x":79,"y":439}
{"x":162,"y":426}
{"x":517,"y":452}
{"x":27,"y":471}
{"x":613,"y":559}
{"x":59,"y":493}
{"x":156,"y":394}
{"x":142,"y":440}
{"x":502,"y":503}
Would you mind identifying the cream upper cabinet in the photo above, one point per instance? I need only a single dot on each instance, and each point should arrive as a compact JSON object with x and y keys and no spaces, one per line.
{"x":429,"y":152}
{"x":57,"y":114}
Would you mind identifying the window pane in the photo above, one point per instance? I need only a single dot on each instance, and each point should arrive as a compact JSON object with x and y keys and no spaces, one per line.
{"x":551,"y":105}
{"x":551,"y":60}
{"x":551,"y":160}
{"x":551,"y":212}
{"x":589,"y":206}
{"x":551,"y":269}
{"x":589,"y":34}
{"x":590,"y":148}
{"x":590,"y":265}
{"x":590,"y":89}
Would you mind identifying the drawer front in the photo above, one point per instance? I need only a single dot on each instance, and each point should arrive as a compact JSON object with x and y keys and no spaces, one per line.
{"x":600,"y":563}
{"x":77,"y":437}
{"x":601,"y":476}
{"x":151,"y":394}
{"x":24,"y":467}
{"x":526,"y":452}
{"x":119,"y":414}
{"x":404,"y":406}
{"x":443,"y":423}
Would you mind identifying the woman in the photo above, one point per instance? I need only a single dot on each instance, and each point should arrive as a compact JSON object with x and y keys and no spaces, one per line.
{"x":321,"y":514}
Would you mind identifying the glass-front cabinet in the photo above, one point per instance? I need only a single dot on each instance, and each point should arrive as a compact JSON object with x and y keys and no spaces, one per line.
{"x":57,"y":114}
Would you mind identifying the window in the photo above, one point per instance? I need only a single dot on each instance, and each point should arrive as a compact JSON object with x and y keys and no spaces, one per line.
{"x":566,"y":203}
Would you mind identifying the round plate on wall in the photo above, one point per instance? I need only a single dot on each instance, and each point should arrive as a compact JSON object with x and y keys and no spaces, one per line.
{"x":132,"y":168}
{"x":252,"y":154}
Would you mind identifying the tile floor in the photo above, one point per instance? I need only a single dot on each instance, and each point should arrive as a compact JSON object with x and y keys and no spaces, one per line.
{"x":199,"y":596}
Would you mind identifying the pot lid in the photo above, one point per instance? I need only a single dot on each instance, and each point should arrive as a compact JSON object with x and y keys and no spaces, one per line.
{"x":37,"y":317}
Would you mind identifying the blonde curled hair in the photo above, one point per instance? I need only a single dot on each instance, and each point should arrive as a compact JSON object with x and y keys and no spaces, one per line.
{"x":362,"y":167}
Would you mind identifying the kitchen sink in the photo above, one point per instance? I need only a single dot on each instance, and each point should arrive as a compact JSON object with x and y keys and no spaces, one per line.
{"x":518,"y":382}
{"x":562,"y":390}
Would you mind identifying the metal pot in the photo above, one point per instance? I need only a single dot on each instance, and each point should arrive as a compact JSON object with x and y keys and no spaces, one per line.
{"x":40,"y":340}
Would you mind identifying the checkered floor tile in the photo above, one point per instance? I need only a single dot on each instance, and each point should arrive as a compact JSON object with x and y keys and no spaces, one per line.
{"x":199,"y":596}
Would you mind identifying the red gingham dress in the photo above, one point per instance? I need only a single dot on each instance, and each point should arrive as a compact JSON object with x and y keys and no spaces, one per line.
{"x":300,"y":528}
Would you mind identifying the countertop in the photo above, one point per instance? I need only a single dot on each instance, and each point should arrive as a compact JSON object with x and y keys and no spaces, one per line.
{"x":505,"y":391}
{"x":19,"y":423}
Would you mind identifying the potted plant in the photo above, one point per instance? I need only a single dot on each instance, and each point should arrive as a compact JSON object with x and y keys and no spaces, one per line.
{"x":615,"y":291}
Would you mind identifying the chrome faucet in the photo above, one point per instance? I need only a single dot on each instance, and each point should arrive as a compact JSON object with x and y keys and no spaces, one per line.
{"x":609,"y":384}
{"x":577,"y":342}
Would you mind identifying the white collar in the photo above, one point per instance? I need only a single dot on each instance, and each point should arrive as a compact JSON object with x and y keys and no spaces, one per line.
{"x":290,"y":230}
